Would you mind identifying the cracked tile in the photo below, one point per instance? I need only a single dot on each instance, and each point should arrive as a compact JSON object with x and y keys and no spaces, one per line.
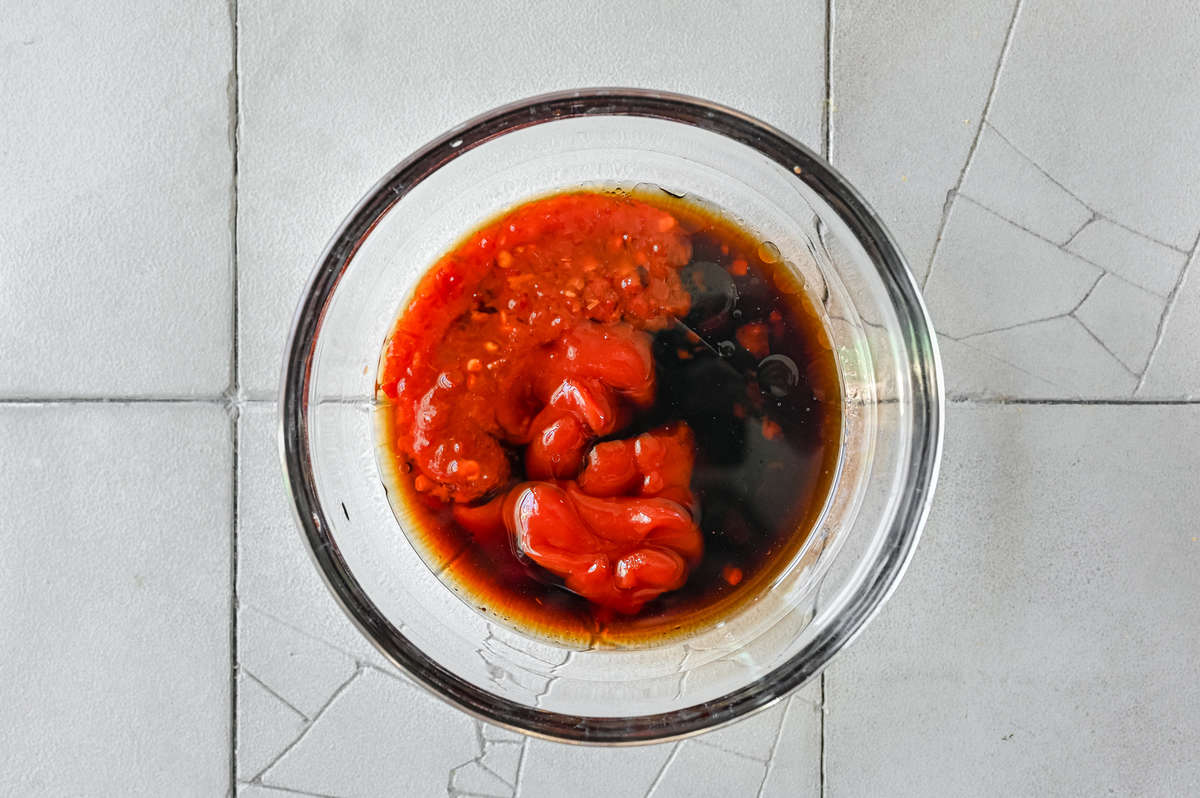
{"x":1174,"y":370}
{"x":1124,"y":317}
{"x":1007,"y":182}
{"x":301,"y":669}
{"x":503,"y":759}
{"x":474,"y":779}
{"x":903,"y":125}
{"x":276,"y":576}
{"x":379,"y":736}
{"x":492,"y":773}
{"x":1119,"y":130}
{"x":303,"y":88}
{"x":115,"y":158}
{"x":990,"y":274}
{"x":610,"y":772}
{"x":1136,"y":258}
{"x":266,"y":726}
{"x":114,"y":599}
{"x":1013,"y":658}
{"x":513,"y":679}
{"x":702,"y":770}
{"x":971,"y":371}
{"x":795,"y":766}
{"x":262,"y":791}
{"x":752,"y":737}
{"x":532,"y":655}
{"x":576,"y":693}
{"x":1063,"y":352}
{"x":497,"y":734}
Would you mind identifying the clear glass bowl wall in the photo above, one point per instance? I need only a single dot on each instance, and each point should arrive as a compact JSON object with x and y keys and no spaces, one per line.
{"x":891,"y":430}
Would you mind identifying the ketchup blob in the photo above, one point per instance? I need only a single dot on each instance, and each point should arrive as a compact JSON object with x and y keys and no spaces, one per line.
{"x":535,"y":333}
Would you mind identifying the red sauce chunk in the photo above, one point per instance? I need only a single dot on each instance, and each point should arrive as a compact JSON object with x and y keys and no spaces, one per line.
{"x":522,"y":391}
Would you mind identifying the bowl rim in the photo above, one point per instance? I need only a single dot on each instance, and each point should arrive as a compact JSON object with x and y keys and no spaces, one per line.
{"x":873,"y":588}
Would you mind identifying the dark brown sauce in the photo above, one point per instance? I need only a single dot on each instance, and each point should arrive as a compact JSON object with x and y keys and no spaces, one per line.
{"x":768,"y":434}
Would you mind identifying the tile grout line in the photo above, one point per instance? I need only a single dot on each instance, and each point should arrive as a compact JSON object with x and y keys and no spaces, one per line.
{"x":828,"y":154}
{"x":822,"y":749}
{"x":223,"y":400}
{"x":952,"y":195}
{"x":962,"y":399}
{"x":235,"y":147}
{"x":234,"y":420}
{"x":114,"y":400}
{"x":828,"y":144}
{"x":246,"y":403}
{"x":234,"y":394}
{"x":827,"y":104}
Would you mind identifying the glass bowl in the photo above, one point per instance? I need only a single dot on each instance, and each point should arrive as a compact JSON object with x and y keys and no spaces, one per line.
{"x":891,"y":435}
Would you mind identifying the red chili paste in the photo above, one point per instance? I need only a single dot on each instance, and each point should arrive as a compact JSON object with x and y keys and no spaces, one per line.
{"x":532,"y":339}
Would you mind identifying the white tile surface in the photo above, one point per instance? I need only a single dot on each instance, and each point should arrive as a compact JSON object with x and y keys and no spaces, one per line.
{"x":378,"y":736}
{"x":1023,"y":316}
{"x":795,"y":764}
{"x":1136,"y":258}
{"x":753,"y":737}
{"x":492,"y":773}
{"x":266,"y":726}
{"x":301,"y":669}
{"x":332,"y":100}
{"x":1124,"y":318}
{"x":1084,"y":150}
{"x":1042,"y":641}
{"x":1174,"y":370}
{"x":608,"y":772}
{"x":731,"y":761}
{"x":259,"y":791}
{"x":115,"y":258}
{"x":114,"y":599}
{"x":698,"y":769}
{"x":977,"y":373}
{"x":1003,"y":180}
{"x":1062,"y":352}
{"x":992,"y":275}
{"x":288,"y":622}
{"x":909,"y":82}
{"x":1106,"y":103}
{"x":294,"y":639}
